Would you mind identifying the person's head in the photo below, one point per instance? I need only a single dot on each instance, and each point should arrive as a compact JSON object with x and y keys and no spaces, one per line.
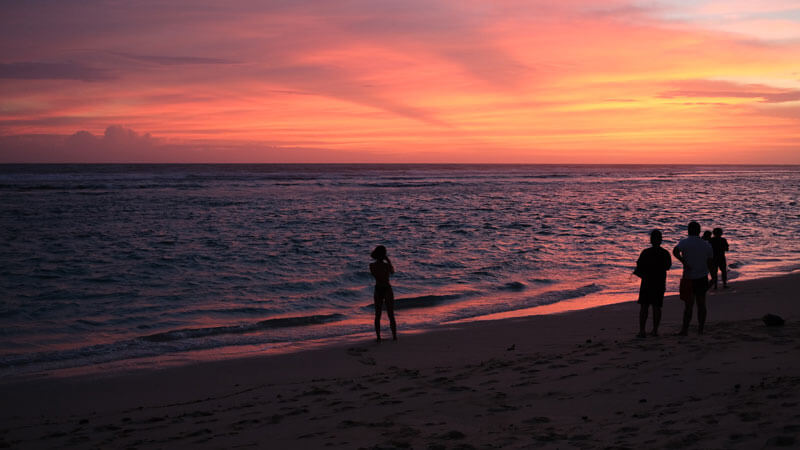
{"x":717,"y":232}
{"x":379,"y":253}
{"x":706,"y":235}
{"x":693,"y":228}
{"x":655,"y":238}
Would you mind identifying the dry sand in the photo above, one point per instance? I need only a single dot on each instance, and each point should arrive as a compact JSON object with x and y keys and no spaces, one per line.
{"x":572,"y":380}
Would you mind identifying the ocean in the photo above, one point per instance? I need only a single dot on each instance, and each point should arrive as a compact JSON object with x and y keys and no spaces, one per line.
{"x":108,"y":267}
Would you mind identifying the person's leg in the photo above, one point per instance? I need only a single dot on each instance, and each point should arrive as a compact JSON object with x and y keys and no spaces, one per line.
{"x":714,"y":274}
{"x":390,"y":313}
{"x":656,"y":319}
{"x":378,"y":307}
{"x":701,"y":313}
{"x":688,"y":305}
{"x":724,"y":269}
{"x":643,"y":307}
{"x":699,"y":287}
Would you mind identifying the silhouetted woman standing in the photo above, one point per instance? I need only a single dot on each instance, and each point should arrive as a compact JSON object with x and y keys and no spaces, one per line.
{"x":381,"y":269}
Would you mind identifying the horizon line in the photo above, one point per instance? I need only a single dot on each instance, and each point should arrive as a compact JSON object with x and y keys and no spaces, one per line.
{"x":384,"y":164}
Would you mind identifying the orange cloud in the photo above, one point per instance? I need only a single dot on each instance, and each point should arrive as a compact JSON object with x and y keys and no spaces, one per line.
{"x":724,"y":89}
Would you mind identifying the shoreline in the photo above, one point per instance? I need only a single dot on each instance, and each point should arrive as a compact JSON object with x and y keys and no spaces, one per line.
{"x":572,"y":378}
{"x":235,"y":352}
{"x":200,"y":293}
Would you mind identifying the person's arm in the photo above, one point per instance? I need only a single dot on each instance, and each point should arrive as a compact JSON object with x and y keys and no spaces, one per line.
{"x":679,"y":256}
{"x":725,"y":246}
{"x":677,"y":253}
{"x":372,"y":269}
{"x":391,"y":267}
{"x":638,"y":270}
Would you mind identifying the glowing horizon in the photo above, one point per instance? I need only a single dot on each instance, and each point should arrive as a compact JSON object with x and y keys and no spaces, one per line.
{"x":580,"y":81}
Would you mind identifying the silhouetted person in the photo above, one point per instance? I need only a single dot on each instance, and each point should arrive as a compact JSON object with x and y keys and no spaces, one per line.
{"x":697,"y":258}
{"x":381,"y":269}
{"x":652,"y":267}
{"x":719,"y":245}
{"x":706,"y":235}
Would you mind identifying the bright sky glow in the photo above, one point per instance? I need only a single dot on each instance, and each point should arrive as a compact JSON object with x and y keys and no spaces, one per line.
{"x":510,"y":81}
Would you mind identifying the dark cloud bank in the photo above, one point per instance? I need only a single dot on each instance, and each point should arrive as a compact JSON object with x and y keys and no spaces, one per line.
{"x":123,"y":145}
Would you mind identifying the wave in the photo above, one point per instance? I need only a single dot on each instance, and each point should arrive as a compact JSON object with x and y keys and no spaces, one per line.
{"x":408,"y":184}
{"x":159,"y":345}
{"x":240,"y":311}
{"x":545,"y":298}
{"x":306,"y":286}
{"x":517,"y":225}
{"x":786,"y":268}
{"x":556,"y":296}
{"x":53,"y":187}
{"x":97,"y":186}
{"x":423,"y":301}
{"x":514,"y":286}
{"x":283,"y":322}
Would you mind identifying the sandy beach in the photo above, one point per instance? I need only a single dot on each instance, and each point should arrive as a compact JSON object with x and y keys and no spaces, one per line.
{"x":573,"y":380}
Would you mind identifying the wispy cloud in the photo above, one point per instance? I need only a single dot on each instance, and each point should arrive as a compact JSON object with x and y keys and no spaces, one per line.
{"x":172,"y":60}
{"x":724,"y":89}
{"x":53,"y":71}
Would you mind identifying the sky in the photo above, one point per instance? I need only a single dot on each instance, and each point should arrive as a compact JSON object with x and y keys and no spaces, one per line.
{"x":400,"y":81}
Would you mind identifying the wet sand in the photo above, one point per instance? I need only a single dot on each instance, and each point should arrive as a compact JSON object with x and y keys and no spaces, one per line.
{"x":573,"y":380}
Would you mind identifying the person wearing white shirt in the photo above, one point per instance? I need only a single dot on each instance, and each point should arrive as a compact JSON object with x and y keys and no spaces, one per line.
{"x":697,"y":257}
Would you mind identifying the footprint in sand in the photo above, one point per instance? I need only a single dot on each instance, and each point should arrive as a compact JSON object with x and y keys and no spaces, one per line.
{"x":452,"y":435}
{"x":536,"y":420}
{"x":367,"y":360}
{"x":356,"y":351}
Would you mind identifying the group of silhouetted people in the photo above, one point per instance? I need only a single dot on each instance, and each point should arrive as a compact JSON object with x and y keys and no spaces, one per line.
{"x":699,"y":256}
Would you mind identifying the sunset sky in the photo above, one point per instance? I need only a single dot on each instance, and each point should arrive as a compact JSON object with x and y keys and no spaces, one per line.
{"x":524,"y":81}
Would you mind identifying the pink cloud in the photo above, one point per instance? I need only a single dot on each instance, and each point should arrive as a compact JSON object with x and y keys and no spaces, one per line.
{"x":721,"y":89}
{"x":53,"y":71}
{"x":167,"y":60}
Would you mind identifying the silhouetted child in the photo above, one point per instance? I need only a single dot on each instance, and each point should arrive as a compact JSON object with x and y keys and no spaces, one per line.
{"x":381,"y":269}
{"x":719,"y":245}
{"x":706,"y":235}
{"x":652,"y":267}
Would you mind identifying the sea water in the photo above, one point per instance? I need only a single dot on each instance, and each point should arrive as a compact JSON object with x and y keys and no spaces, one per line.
{"x":140,"y":264}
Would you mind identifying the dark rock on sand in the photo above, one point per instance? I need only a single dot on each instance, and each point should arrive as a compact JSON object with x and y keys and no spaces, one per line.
{"x":771,"y":320}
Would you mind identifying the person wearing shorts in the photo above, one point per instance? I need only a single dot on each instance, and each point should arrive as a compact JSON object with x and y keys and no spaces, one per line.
{"x":652,"y":267}
{"x":697,"y":258}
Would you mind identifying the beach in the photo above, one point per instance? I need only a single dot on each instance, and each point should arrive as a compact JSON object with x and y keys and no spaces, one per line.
{"x":573,"y":380}
{"x":211,"y":215}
